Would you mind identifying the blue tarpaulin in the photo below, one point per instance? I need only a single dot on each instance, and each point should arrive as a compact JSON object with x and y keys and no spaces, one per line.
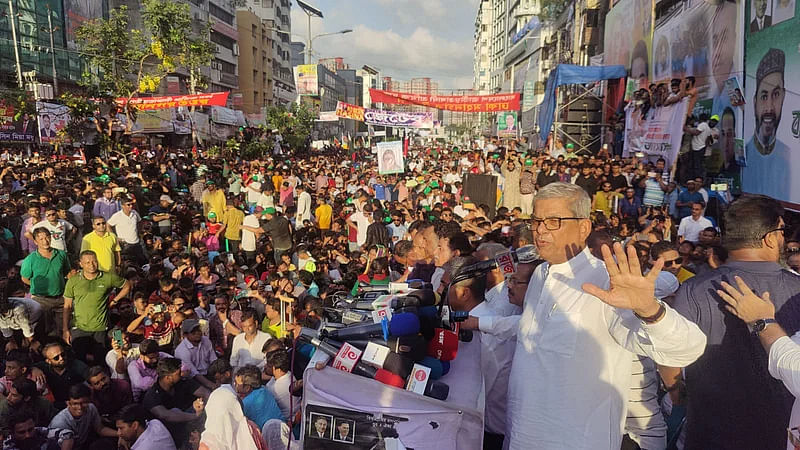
{"x":570,"y":74}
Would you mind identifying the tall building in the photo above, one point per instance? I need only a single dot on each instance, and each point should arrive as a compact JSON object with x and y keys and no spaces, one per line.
{"x":275,"y":17}
{"x":334,"y":64}
{"x":255,"y":63}
{"x":371,"y":79}
{"x":497,"y":44}
{"x":224,"y":70}
{"x":481,"y":66}
{"x":424,"y":86}
{"x":298,"y":50}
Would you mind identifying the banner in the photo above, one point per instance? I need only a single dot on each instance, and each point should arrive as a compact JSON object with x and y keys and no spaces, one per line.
{"x":398,"y":119}
{"x":348,"y":111}
{"x":390,"y":157}
{"x":52,"y":119}
{"x":306,"y":79}
{"x":464,"y":103}
{"x":174,"y":101}
{"x":507,"y":124}
{"x":20,"y":130}
{"x":663,"y":131}
{"x":328,"y":116}
{"x":772,"y":111}
{"x":632,"y":19}
{"x":346,"y":411}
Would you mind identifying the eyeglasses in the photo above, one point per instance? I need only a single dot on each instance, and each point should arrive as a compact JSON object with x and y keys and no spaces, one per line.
{"x":50,"y":214}
{"x":674,"y":262}
{"x":552,"y":223}
{"x":97,"y":224}
{"x":58,"y":357}
{"x":781,"y":229}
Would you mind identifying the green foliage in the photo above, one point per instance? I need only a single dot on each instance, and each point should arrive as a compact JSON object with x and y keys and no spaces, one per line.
{"x":254,"y":150}
{"x":293,"y":124}
{"x":21,"y":100}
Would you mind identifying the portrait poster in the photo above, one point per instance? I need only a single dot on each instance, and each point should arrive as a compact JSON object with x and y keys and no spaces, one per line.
{"x":390,"y":157}
{"x":507,"y":125}
{"x":772,"y":111}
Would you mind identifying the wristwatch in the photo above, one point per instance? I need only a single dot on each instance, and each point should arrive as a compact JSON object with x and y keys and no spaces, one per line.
{"x":760,"y":325}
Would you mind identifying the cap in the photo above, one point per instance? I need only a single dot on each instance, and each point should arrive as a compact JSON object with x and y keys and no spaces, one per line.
{"x":570,"y":145}
{"x":188,"y":325}
{"x":212,"y":215}
{"x":269,"y":210}
{"x":210,"y":182}
{"x":165,"y":198}
{"x":773,"y":61}
{"x":715,"y":117}
{"x":528,"y":162}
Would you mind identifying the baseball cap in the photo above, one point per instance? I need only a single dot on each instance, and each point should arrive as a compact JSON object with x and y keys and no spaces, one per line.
{"x":212,"y":215}
{"x":188,"y":325}
{"x":269,"y":210}
{"x":714,"y":117}
{"x":210,"y":182}
{"x":165,"y":198}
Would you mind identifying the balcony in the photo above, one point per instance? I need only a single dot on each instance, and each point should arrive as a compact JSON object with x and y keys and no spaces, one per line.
{"x":229,"y":78}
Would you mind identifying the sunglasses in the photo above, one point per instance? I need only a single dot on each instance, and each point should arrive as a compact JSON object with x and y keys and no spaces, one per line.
{"x":97,"y":224}
{"x":58,"y":357}
{"x":674,"y":262}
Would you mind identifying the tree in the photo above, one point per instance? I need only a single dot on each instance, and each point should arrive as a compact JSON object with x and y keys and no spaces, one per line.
{"x":294,"y":124}
{"x":126,"y":62}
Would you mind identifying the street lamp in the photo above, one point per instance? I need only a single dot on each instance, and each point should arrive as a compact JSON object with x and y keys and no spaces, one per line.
{"x":309,"y":42}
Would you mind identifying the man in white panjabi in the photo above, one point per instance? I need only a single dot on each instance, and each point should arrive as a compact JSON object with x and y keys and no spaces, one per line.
{"x":581,"y":322}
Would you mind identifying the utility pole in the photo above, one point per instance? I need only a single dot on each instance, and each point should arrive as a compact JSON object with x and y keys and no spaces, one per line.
{"x":14,"y":37}
{"x":308,"y":40}
{"x":51,"y":30}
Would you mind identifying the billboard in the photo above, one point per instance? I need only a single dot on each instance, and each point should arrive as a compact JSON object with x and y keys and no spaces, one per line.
{"x":306,"y":79}
{"x":632,"y":52}
{"x":772,"y":108}
{"x":348,"y":111}
{"x":52,"y":119}
{"x":22,"y":129}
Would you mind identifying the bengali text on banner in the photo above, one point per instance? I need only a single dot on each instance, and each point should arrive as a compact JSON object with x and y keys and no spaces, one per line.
{"x":465,"y":103}
{"x":174,"y":101}
{"x":398,"y":119}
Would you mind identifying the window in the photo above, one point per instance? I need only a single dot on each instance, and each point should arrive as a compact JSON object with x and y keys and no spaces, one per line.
{"x":222,"y":40}
{"x":221,"y":14}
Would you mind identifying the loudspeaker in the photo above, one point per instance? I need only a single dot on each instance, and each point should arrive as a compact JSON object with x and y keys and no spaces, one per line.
{"x":482,"y":189}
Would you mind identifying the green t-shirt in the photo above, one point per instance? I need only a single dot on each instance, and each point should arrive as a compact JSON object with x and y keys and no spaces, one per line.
{"x":47,"y":275}
{"x":90,"y":299}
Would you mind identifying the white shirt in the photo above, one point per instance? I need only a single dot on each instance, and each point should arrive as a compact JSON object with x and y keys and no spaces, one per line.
{"x":465,"y":378}
{"x":574,"y":354}
{"x":248,"y":237}
{"x":125,"y":226}
{"x":784,"y":364}
{"x":303,"y":209}
{"x":129,"y":356}
{"x":253,"y":192}
{"x":362,"y":223}
{"x":496,"y":354}
{"x":699,"y":141}
{"x":244,"y":353}
{"x":57,"y":232}
{"x":436,"y":278}
{"x":155,"y":437}
{"x":690,"y":229}
{"x":281,"y":390}
{"x":497,"y":298}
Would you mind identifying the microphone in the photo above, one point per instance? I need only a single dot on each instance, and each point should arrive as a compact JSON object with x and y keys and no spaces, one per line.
{"x":444,"y":345}
{"x":445,"y":367}
{"x":404,"y":324}
{"x":437,"y":389}
{"x":436,"y":366}
{"x":359,"y":368}
{"x":422,"y":297}
{"x":413,"y":347}
{"x":507,"y":261}
{"x":380,"y":356}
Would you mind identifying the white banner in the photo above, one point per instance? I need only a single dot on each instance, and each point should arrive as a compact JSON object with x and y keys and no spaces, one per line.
{"x":328,"y":116}
{"x":664,"y":131}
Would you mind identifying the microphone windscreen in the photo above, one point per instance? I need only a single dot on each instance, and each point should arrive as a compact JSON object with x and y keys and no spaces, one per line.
{"x":425,"y":297}
{"x":428,"y":311}
{"x":437,"y":390}
{"x":398,"y":364}
{"x":435,"y":365}
{"x":445,"y":367}
{"x":465,"y":335}
{"x":444,"y":345}
{"x":306,"y":350}
{"x":407,"y":309}
{"x":386,"y":377}
{"x":404,"y":324}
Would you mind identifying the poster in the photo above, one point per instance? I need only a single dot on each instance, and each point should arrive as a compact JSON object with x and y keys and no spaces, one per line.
{"x":507,"y":124}
{"x":772,"y":93}
{"x":348,"y":111}
{"x":20,"y":129}
{"x":390,"y":157}
{"x":633,"y":52}
{"x":306,"y":79}
{"x":328,"y":116}
{"x":735,"y":95}
{"x":465,"y":103}
{"x":52,"y":119}
{"x":398,"y":119}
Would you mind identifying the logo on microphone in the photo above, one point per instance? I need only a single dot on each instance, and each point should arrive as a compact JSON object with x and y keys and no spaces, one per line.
{"x":420,"y":375}
{"x":347,"y":358}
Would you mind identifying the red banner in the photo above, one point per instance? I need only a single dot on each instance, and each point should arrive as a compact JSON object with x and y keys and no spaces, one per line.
{"x":174,"y":101}
{"x":465,"y":103}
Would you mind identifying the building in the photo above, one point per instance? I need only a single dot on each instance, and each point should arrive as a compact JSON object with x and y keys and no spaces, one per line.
{"x":224,"y":33}
{"x":334,"y":64}
{"x":371,"y":79}
{"x":333,"y":89}
{"x":424,"y":86}
{"x":497,"y":44}
{"x":275,"y":17}
{"x":298,"y":53}
{"x":353,"y":87}
{"x":481,"y":68}
{"x":255,"y":63}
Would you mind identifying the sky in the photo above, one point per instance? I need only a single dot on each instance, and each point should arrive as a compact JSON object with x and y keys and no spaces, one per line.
{"x":403,"y":38}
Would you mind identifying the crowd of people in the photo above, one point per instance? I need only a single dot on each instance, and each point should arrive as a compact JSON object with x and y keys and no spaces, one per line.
{"x":152,"y":302}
